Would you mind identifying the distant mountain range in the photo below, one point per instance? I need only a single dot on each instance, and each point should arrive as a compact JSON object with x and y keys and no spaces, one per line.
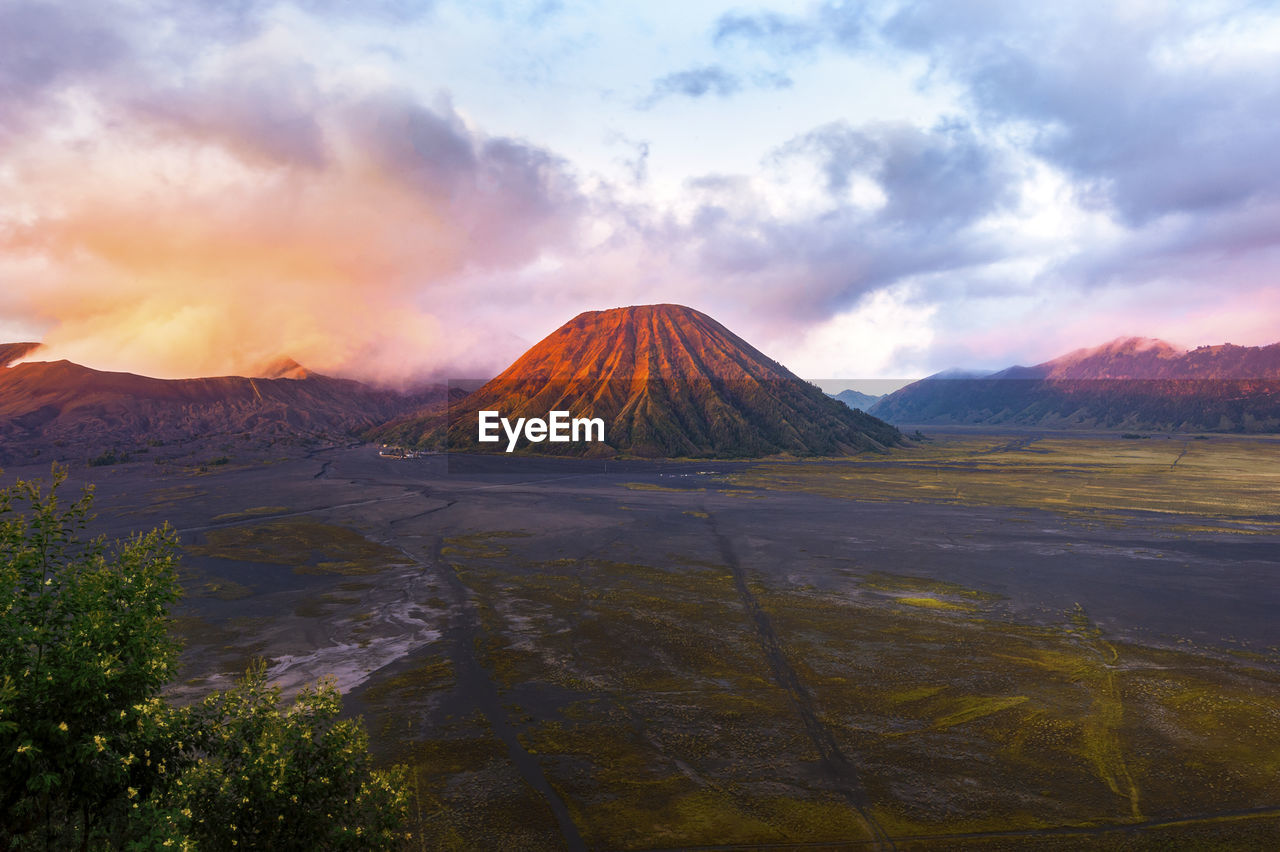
{"x":668,"y":381}
{"x":61,"y":410}
{"x":1130,"y":383}
{"x":856,"y":399}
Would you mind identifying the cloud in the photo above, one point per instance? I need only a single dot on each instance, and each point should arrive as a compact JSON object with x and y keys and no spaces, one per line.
{"x":885,"y":333}
{"x":394,"y":11}
{"x":263,"y":111}
{"x":1147,"y":112}
{"x":1157,"y":122}
{"x":694,"y":83}
{"x":193,"y":187}
{"x":220,"y":224}
{"x":42,"y":47}
{"x":838,"y":23}
{"x":707,"y":80}
{"x":928,"y":178}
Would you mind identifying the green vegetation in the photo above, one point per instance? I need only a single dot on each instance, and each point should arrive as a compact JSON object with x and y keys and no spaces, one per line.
{"x":252,"y":512}
{"x":310,"y":546}
{"x":653,"y":486}
{"x":893,"y":583}
{"x":108,"y":458}
{"x":934,"y":603}
{"x":223,"y":589}
{"x":1230,"y":480}
{"x":93,"y":757}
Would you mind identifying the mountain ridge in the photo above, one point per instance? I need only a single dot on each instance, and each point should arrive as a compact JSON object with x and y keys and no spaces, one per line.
{"x":856,"y":399}
{"x":59,"y":409}
{"x":1127,"y":383}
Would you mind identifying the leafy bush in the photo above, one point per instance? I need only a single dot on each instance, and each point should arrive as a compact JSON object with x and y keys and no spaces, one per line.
{"x":110,"y":457}
{"x":91,"y":754}
{"x":84,"y":652}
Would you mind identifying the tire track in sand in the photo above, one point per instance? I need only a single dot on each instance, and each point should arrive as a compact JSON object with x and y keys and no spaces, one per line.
{"x":834,"y":761}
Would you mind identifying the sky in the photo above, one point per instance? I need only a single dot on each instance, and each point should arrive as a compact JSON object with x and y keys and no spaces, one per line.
{"x":403,"y":189}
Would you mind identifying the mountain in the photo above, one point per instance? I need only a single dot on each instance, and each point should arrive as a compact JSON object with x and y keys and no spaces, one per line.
{"x":856,"y":399}
{"x":57,"y":409}
{"x":10,"y":352}
{"x":1130,"y":383}
{"x":668,"y":381}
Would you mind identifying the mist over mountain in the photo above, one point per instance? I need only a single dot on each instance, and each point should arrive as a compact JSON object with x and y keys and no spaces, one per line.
{"x":10,"y":352}
{"x":1129,"y":383}
{"x":668,"y":381}
{"x":61,"y":410}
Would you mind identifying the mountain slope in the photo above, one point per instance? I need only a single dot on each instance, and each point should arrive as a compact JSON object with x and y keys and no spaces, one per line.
{"x":668,"y":381}
{"x":1130,"y":383}
{"x":63,"y":410}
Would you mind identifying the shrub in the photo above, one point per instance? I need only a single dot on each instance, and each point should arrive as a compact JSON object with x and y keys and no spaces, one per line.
{"x":91,"y":754}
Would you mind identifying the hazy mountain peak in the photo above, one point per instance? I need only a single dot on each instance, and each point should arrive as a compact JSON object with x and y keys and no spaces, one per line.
{"x":1124,"y":357}
{"x":283,"y":367}
{"x":10,"y":352}
{"x":1125,"y":346}
{"x":856,"y":399}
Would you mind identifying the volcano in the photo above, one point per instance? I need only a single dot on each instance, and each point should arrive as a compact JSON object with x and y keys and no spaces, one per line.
{"x":669,"y":382}
{"x":66,"y":411}
{"x":1131,"y":383}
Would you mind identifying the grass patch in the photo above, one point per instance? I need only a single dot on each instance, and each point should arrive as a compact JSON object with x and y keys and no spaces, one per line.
{"x":1227,"y":478}
{"x":653,"y":486}
{"x":935,"y":603}
{"x":884,"y":582}
{"x":245,"y":514}
{"x":223,"y":589}
{"x":480,"y":545}
{"x":310,"y":546}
